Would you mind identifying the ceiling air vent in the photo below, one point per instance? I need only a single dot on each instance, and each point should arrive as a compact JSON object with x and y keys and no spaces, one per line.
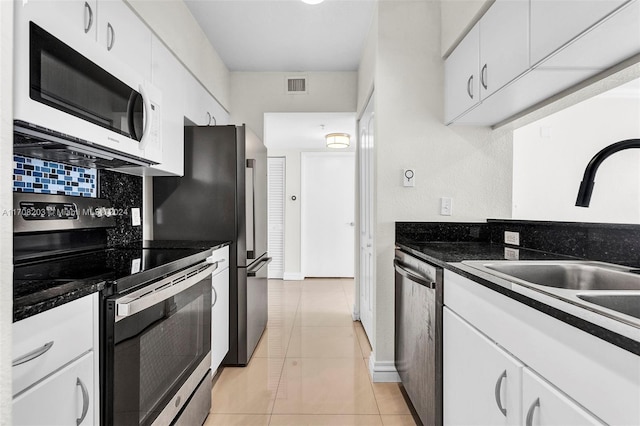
{"x":296,"y":85}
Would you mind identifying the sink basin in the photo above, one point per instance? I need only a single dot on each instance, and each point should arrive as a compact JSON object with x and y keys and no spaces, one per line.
{"x":628,"y":304}
{"x":569,"y":275}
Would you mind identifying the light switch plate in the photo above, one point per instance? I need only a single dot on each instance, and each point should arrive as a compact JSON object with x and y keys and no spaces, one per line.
{"x":446,"y":206}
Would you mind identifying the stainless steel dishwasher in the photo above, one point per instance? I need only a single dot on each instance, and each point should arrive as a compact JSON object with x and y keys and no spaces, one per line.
{"x":418,"y":334}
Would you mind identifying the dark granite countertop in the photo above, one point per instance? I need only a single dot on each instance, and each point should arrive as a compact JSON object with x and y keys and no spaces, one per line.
{"x":42,"y":285}
{"x":450,"y":254}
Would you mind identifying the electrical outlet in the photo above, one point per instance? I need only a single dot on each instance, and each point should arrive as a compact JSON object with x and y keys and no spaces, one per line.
{"x":135,"y":217}
{"x":512,"y":238}
{"x":511,"y":253}
{"x":446,"y":206}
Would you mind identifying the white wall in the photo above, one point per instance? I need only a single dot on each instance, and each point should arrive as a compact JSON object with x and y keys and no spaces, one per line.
{"x":471,"y":165}
{"x":254,"y":93}
{"x":174,"y":24}
{"x":548,"y":170}
{"x":6,"y":202}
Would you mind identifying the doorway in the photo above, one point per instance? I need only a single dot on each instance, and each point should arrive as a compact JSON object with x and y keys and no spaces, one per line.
{"x":328,"y":209}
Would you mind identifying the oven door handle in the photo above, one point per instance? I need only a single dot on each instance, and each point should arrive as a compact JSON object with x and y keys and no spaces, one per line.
{"x":162,"y":290}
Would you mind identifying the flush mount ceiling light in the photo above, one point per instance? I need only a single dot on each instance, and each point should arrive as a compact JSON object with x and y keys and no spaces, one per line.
{"x":337,"y":140}
{"x":312,"y":1}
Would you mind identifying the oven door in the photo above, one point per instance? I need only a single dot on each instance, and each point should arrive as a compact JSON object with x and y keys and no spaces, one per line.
{"x":158,"y":348}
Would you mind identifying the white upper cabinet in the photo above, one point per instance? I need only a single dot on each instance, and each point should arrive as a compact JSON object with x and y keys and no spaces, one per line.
{"x":555,"y":22}
{"x":165,"y":72}
{"x":486,"y":60}
{"x":503,"y":58}
{"x":124,"y":36}
{"x":531,"y":50}
{"x":462,"y":85}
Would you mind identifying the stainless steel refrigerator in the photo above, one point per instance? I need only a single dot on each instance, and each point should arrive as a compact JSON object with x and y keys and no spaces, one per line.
{"x":223,"y":197}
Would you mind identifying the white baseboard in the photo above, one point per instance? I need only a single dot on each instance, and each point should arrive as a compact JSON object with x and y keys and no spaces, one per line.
{"x":383,"y":371}
{"x":293,"y":276}
{"x":355,"y":314}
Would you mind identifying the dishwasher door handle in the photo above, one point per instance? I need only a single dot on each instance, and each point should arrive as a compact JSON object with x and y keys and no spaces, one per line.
{"x":412,"y":276}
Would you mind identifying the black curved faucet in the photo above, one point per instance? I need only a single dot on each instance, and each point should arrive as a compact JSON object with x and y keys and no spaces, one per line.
{"x":588,"y":180}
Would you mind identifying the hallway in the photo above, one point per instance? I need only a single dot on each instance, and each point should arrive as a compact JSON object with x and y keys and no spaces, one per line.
{"x":310,"y":367}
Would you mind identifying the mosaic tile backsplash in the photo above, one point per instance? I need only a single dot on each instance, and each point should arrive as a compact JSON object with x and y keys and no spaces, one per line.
{"x":47,"y":177}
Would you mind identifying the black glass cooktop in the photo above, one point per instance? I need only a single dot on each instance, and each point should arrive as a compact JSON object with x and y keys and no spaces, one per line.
{"x":120,"y":268}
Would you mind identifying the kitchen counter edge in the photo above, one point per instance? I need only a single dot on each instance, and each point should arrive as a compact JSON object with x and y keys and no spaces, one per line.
{"x":556,"y":308}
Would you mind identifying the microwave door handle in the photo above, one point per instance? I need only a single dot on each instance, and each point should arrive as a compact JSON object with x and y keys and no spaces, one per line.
{"x":146,"y":116}
{"x":130,"y":112}
{"x":251,"y":194}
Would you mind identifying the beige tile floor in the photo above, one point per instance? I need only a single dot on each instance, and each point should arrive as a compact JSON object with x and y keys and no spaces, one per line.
{"x":310,"y":367}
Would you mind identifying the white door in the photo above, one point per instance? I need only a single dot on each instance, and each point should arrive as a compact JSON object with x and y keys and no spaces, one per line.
{"x":366,"y":267}
{"x":328,"y":222}
{"x":276,"y":185}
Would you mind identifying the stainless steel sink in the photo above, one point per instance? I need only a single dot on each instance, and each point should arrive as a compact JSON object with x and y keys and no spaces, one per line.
{"x":569,"y":275}
{"x":628,"y":304}
{"x":591,"y":285}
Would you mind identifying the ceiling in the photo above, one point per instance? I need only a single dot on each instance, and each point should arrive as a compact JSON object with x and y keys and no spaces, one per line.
{"x":286,"y":35}
{"x":304,"y":131}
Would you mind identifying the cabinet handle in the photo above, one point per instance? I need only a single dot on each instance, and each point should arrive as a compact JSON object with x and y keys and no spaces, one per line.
{"x":111,"y":36}
{"x":497,"y":390}
{"x":88,"y":17}
{"x":483,"y":76}
{"x":532,"y":409}
{"x":32,"y":355}
{"x":216,"y":294}
{"x":470,"y":87}
{"x":85,"y":401}
{"x":209,"y":121}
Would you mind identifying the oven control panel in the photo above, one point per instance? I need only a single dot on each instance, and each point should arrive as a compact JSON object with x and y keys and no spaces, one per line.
{"x":44,"y":212}
{"x":30,"y":210}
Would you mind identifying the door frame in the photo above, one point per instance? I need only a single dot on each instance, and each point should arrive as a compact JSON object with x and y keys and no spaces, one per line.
{"x":303,"y":202}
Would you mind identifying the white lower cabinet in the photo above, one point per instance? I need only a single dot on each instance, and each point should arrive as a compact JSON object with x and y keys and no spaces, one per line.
{"x":485,"y":385}
{"x":544,"y":405}
{"x":220,"y":308}
{"x":506,"y":363}
{"x":55,"y":365}
{"x":482,"y":383}
{"x":64,"y":398}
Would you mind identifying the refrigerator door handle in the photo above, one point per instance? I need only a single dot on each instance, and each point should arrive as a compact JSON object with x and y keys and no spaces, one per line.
{"x":259,"y":265}
{"x":251,"y":207}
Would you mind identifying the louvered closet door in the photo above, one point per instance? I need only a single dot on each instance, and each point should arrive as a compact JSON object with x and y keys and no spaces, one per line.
{"x":276,"y":180}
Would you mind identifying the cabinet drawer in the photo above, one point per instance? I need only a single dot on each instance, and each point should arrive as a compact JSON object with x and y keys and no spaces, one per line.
{"x":62,"y":399}
{"x":598,"y":375}
{"x":68,"y":329}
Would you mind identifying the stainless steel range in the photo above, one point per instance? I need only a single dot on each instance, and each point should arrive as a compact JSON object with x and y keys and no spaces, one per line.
{"x":155,"y":315}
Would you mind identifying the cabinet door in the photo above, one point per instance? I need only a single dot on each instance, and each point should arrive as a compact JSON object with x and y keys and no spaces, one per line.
{"x":482,"y":383}
{"x":64,"y":398}
{"x":504,"y":44}
{"x":462,"y":85}
{"x":195,"y":101}
{"x":220,"y":318}
{"x":125,"y":36}
{"x":546,"y":406}
{"x":166,"y":71}
{"x":65,"y":19}
{"x":555,"y":23}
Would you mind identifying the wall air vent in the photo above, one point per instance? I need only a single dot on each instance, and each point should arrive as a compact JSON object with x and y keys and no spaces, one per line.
{"x":296,"y":85}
